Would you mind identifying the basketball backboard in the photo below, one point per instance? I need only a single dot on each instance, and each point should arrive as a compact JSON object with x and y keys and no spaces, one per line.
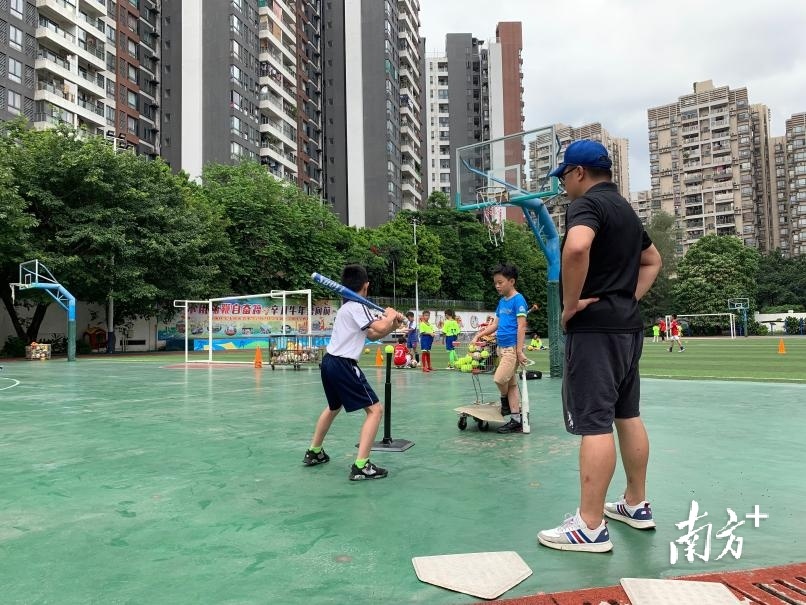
{"x":520,"y":162}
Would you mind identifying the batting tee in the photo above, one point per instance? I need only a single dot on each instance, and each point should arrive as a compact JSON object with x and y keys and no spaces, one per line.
{"x":35,"y":275}
{"x":513,"y":171}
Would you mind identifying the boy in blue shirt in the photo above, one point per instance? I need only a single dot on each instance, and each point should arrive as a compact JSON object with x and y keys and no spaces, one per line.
{"x":510,"y":325}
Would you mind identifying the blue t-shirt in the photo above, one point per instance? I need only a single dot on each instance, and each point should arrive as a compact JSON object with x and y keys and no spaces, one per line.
{"x":508,"y":312}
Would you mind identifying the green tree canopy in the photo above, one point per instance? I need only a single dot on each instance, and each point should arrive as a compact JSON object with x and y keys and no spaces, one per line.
{"x":781,"y":281}
{"x":658,"y":302}
{"x":112,"y":224}
{"x":713,"y":270}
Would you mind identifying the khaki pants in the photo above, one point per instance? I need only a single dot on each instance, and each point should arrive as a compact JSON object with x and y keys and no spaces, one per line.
{"x":507,"y":366}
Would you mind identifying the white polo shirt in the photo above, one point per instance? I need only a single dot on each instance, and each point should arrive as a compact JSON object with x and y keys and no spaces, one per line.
{"x":350,"y":330}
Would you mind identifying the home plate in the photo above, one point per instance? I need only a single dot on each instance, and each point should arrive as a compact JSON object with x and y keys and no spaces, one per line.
{"x":486,"y":575}
{"x":643,"y":591}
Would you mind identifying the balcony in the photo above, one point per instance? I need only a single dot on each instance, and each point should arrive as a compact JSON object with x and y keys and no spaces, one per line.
{"x":48,"y":60}
{"x":60,"y":89}
{"x":48,"y":30}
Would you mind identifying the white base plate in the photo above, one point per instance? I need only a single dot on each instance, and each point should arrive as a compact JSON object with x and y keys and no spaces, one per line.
{"x":642,"y":591}
{"x":486,"y":575}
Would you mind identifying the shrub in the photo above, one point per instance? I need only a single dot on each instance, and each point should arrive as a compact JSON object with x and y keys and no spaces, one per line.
{"x":14,"y":347}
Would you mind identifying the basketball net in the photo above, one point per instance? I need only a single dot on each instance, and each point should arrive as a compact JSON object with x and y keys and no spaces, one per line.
{"x":495,"y":197}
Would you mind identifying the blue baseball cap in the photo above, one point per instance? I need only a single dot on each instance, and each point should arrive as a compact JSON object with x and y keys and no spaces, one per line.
{"x":584,"y":153}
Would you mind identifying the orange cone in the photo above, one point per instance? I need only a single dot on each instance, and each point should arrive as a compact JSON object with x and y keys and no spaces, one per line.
{"x":379,"y":358}
{"x":258,"y":358}
{"x":781,"y":347}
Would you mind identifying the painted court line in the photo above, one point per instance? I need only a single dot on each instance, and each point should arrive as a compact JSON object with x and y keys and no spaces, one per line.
{"x":11,"y":386}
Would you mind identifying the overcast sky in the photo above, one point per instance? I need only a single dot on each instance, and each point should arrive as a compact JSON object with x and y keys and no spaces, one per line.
{"x":609,"y":61}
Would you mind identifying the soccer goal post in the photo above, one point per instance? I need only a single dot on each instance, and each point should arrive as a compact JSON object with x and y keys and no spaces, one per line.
{"x":731,"y":318}
{"x":228,"y":329}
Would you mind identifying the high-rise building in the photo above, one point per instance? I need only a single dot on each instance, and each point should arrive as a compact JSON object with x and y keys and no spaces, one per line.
{"x":703,"y":149}
{"x":541,"y":162}
{"x":136,"y":73}
{"x":474,"y":94}
{"x":641,"y":202}
{"x":211,"y":111}
{"x":91,"y":64}
{"x":57,"y":65}
{"x":290,"y":81}
{"x":245,"y":81}
{"x":372,"y":111}
{"x":787,"y":167}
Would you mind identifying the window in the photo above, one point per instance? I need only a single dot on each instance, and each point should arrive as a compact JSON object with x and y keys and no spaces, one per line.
{"x":17,"y":8}
{"x":14,"y":102}
{"x":132,"y":73}
{"x":131,"y":47}
{"x":131,"y":125}
{"x":15,"y":37}
{"x":14,"y":70}
{"x":131,"y":99}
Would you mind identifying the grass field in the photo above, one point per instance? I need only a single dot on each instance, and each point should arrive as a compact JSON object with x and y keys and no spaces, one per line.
{"x":755,"y":359}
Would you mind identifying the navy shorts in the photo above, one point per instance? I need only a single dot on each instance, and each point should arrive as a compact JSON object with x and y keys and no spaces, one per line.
{"x":411,"y":340}
{"x":600,"y":381}
{"x":426,"y":340}
{"x":345,"y":384}
{"x":449,"y":340}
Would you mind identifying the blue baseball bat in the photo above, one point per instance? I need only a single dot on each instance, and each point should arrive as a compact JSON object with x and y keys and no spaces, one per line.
{"x":345,"y":291}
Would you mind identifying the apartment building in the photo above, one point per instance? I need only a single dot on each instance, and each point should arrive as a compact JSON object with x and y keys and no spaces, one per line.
{"x":787,"y":169}
{"x":135,"y":33}
{"x":641,"y":202}
{"x":92,"y":64}
{"x":474,"y":93}
{"x":54,"y":64}
{"x":541,"y":162}
{"x":290,"y":95}
{"x":372,"y":109}
{"x":706,"y":164}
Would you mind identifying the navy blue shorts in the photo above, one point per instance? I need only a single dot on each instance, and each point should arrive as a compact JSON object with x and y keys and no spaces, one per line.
{"x":426,"y":340}
{"x":345,"y":384}
{"x":449,"y":340}
{"x":411,"y":340}
{"x":601,"y":381}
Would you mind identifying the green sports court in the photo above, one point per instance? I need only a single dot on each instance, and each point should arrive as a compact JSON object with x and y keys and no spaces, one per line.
{"x":137,"y":479}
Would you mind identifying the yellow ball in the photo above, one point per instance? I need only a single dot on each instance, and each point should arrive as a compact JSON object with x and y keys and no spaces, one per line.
{"x":389,"y":349}
{"x":366,"y":350}
{"x":471,"y":348}
{"x":485,"y":354}
{"x":474,"y":364}
{"x":465,"y":368}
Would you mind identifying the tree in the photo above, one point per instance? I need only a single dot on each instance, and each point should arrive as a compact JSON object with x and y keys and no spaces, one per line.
{"x":658,"y":301}
{"x":113,"y":225}
{"x":279,"y":235}
{"x":438,"y":200}
{"x":781,"y":281}
{"x":713,"y":270}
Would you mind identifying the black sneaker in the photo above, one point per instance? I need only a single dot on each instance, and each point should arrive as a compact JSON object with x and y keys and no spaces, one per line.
{"x":513,"y":426}
{"x":370,"y":471}
{"x":505,"y":411}
{"x":312,"y":458}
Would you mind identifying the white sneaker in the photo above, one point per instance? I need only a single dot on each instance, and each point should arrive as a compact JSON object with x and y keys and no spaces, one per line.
{"x":638,"y":516}
{"x":574,"y":534}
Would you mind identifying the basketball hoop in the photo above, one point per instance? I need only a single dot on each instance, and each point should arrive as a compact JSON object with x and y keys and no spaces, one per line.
{"x":495,"y":196}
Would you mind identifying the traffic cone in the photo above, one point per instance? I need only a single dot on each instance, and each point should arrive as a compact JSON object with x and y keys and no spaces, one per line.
{"x":258,"y":358}
{"x":379,"y":358}
{"x":781,"y":347}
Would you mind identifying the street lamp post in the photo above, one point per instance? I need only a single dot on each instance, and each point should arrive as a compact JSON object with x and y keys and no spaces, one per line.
{"x":416,"y":278}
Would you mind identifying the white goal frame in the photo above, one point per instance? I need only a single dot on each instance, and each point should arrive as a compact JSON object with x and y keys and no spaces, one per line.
{"x":210,"y":302}
{"x":731,"y":316}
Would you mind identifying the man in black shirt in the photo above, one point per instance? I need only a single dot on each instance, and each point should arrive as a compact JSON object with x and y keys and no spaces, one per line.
{"x":608,"y":264}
